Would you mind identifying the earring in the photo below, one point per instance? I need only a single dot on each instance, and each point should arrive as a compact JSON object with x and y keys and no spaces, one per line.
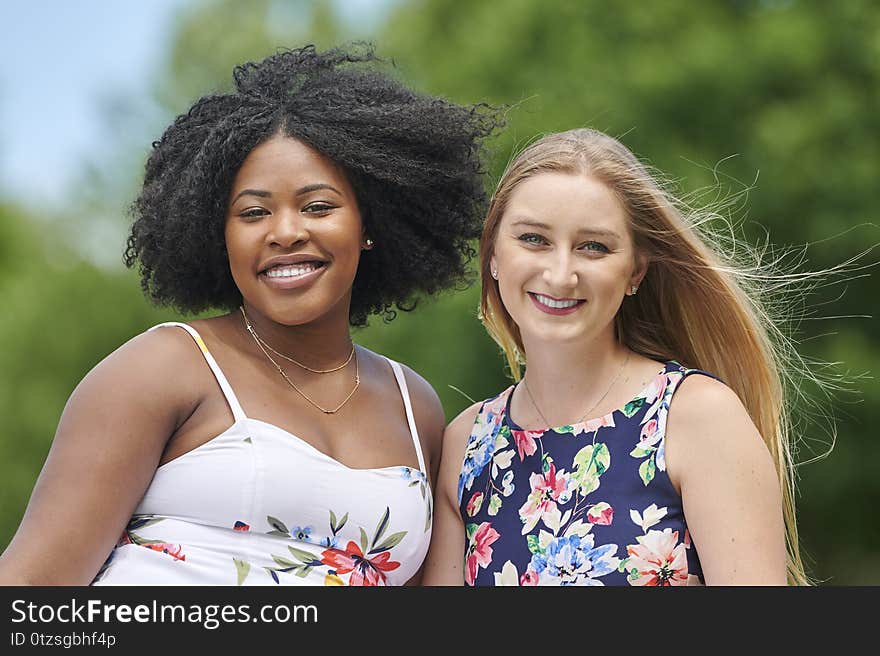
{"x":633,"y":290}
{"x":494,"y":273}
{"x":368,"y":244}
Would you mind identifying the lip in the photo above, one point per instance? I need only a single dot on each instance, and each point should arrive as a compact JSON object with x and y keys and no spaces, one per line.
{"x":556,"y":311}
{"x":292,"y":258}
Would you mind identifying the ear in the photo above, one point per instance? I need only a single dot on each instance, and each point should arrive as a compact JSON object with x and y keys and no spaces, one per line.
{"x":493,"y":267}
{"x":641,"y":268}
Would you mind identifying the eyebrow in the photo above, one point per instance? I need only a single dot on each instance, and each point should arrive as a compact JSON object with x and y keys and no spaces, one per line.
{"x":600,"y":232}
{"x":261,"y":193}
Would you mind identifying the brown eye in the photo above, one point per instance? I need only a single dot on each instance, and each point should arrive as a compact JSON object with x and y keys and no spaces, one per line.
{"x":253,"y":213}
{"x":318,"y":208}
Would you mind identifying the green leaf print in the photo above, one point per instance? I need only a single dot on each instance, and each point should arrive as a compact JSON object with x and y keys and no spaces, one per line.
{"x":503,"y":438}
{"x":283,"y":561}
{"x":303,"y":572}
{"x":337,"y":527}
{"x":278,"y":527}
{"x":647,"y":470}
{"x":633,"y":406}
{"x":363,"y":540}
{"x":641,"y":452}
{"x":534,"y":544}
{"x":302,"y":555}
{"x":590,"y":463}
{"x":562,"y":430}
{"x":494,"y":505}
{"x":470,"y":529}
{"x":242,"y":568}
{"x":333,"y":522}
{"x":390,"y":542}
{"x":383,"y":524}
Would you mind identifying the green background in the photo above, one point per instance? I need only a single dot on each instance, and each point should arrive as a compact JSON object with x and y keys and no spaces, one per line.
{"x":772,"y":105}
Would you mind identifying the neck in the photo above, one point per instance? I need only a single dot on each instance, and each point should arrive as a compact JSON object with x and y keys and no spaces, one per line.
{"x":565,"y":379}
{"x":319,"y":344}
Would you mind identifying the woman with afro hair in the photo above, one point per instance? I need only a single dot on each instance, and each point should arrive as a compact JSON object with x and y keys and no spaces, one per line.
{"x":262,"y":446}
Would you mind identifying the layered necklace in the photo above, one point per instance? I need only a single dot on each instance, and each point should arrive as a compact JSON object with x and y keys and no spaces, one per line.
{"x":265,"y":348}
{"x":591,"y":408}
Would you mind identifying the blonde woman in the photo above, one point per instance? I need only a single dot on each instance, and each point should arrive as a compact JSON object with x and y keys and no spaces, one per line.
{"x":646,"y":443}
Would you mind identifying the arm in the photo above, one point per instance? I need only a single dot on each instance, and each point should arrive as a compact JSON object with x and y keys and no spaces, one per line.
{"x":106,"y":449}
{"x":444,"y":564}
{"x":727,"y":479}
{"x":430,"y":419}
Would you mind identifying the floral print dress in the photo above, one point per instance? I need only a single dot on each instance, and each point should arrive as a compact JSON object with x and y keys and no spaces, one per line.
{"x":257,"y":505}
{"x":585,"y":504}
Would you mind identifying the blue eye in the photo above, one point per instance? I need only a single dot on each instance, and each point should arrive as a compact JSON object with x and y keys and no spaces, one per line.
{"x":595,"y":247}
{"x":532,"y":238}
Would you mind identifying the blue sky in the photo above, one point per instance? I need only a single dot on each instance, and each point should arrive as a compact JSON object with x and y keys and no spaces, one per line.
{"x":60,"y":60}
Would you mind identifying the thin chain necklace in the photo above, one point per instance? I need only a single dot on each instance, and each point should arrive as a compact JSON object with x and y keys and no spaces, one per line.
{"x":326,"y":411}
{"x":593,"y":407}
{"x":287,"y":357}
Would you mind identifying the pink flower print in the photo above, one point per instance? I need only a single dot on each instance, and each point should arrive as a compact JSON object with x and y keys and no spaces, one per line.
{"x":546,"y":490}
{"x":595,"y":424}
{"x":649,"y":434}
{"x":525,"y":442}
{"x":479,"y":553}
{"x":656,"y":388}
{"x":474,"y":505}
{"x":601,"y":514}
{"x":657,"y":560}
{"x":173,"y":550}
{"x":529,"y":578}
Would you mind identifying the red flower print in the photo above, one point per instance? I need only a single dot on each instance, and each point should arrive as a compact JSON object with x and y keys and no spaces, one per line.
{"x":173,"y":550}
{"x":364,"y":571}
{"x":529,"y":578}
{"x":479,"y":552}
{"x":473,"y":506}
{"x":601,"y":514}
{"x":525,"y":442}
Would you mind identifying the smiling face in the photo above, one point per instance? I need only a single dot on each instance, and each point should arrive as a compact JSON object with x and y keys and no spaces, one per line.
{"x":293,"y":233}
{"x":565,"y":258}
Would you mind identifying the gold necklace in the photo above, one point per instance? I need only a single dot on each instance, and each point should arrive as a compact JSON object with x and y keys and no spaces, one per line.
{"x":593,"y":407}
{"x":326,"y":411}
{"x":251,"y":330}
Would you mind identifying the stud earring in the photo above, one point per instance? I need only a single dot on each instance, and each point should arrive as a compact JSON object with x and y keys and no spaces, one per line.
{"x":633,"y":290}
{"x":495,"y":273}
{"x":368,"y":244}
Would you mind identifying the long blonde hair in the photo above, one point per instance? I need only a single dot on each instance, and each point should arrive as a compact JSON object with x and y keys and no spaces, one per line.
{"x":693,"y":306}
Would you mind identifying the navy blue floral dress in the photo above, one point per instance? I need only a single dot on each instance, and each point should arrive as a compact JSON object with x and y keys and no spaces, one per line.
{"x":587,"y":504}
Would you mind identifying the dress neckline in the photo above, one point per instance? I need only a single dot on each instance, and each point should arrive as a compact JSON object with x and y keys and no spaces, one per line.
{"x":587,"y":424}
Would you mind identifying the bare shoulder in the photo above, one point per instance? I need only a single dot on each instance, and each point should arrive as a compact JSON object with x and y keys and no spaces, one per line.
{"x":427,"y":409}
{"x":161,"y":363}
{"x":708,"y":426}
{"x":459,"y":429}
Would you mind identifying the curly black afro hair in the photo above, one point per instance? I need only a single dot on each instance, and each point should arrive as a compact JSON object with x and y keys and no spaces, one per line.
{"x":414,"y":162}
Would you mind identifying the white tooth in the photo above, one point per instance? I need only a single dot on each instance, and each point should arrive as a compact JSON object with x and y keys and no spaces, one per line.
{"x":550,"y":302}
{"x":290,"y":272}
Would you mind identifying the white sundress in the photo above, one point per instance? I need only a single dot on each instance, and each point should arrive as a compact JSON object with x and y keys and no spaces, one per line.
{"x":257,"y":505}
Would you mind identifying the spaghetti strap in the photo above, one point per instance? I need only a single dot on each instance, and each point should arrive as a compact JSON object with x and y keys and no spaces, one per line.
{"x":231,"y":399}
{"x":404,"y":392}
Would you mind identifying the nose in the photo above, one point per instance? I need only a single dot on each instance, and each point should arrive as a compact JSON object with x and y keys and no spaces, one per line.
{"x":287,"y":229}
{"x":560,"y":273}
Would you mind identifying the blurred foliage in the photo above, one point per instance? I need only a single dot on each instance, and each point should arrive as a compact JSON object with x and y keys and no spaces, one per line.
{"x":774,"y":100}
